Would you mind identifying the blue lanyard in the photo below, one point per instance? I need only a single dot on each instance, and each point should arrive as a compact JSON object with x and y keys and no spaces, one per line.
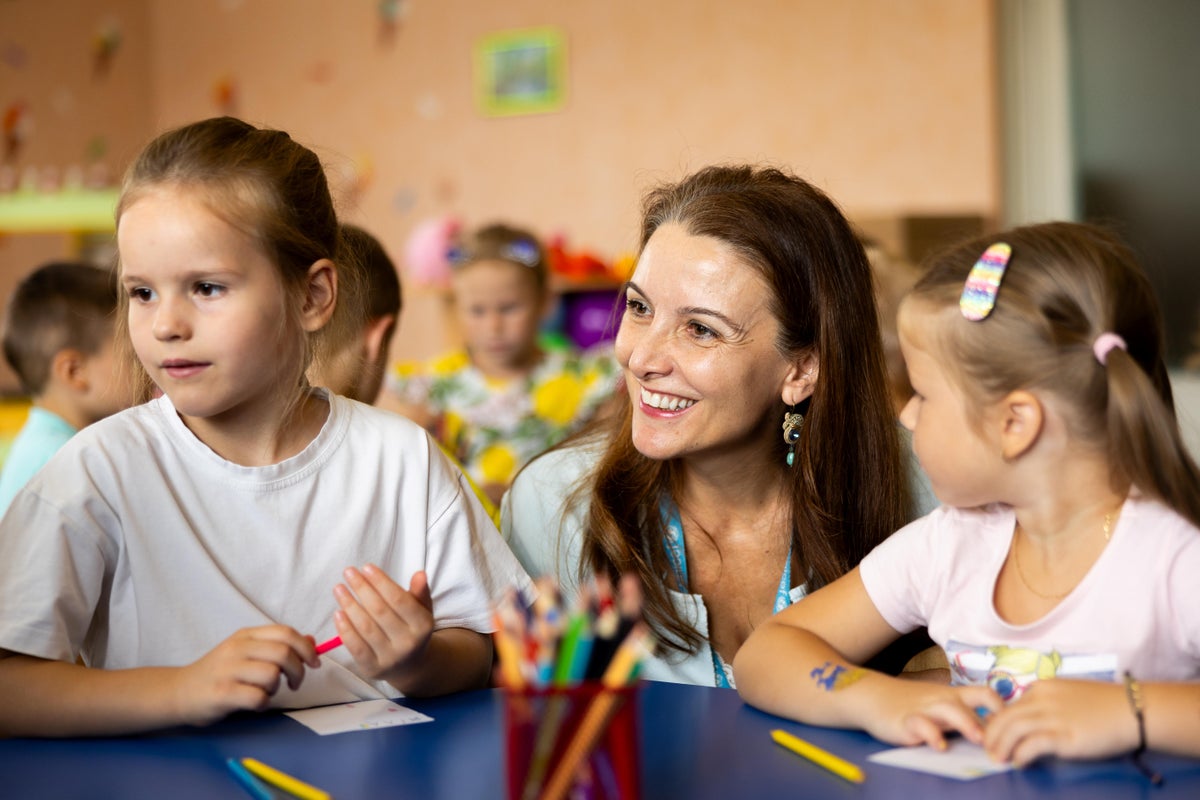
{"x":677,"y":553}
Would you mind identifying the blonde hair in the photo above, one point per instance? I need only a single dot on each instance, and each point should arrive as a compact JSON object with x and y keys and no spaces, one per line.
{"x":1064,"y":286}
{"x":270,"y":187}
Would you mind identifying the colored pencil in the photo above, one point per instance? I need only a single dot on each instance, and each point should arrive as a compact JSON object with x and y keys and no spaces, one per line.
{"x":292,"y":786}
{"x":822,"y":758}
{"x":257,"y":789}
{"x":636,"y":646}
{"x":325,"y":647}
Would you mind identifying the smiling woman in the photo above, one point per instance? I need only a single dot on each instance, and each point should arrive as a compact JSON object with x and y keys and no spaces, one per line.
{"x":750,"y":305}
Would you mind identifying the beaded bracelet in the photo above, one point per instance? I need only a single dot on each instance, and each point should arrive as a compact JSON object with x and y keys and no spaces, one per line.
{"x":1133,"y":691}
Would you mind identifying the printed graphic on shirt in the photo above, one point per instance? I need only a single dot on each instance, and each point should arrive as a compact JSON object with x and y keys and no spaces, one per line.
{"x":1009,"y":671}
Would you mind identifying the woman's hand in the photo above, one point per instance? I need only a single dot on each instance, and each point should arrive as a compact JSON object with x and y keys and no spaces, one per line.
{"x":384,"y":626}
{"x":242,"y":673}
{"x":1063,"y":717}
{"x":913,"y":712}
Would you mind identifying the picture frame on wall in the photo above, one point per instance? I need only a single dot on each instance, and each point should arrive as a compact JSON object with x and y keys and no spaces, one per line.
{"x":521,"y":72}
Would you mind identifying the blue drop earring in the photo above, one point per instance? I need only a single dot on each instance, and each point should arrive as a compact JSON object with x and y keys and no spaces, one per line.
{"x":792,"y":420}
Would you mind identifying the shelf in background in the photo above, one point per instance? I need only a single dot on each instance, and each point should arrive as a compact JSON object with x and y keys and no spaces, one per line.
{"x":69,"y":211}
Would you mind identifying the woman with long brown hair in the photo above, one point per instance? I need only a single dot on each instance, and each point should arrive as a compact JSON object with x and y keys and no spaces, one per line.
{"x":755,"y":456}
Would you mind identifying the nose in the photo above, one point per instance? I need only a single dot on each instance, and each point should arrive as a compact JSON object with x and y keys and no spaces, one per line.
{"x":643,"y":350}
{"x":170,"y":320}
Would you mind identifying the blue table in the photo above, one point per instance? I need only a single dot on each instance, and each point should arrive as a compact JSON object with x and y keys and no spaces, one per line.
{"x":696,"y":743}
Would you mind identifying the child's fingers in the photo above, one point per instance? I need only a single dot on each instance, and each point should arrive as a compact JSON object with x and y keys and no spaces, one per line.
{"x":303,"y":646}
{"x":268,"y":652}
{"x":418,"y":587}
{"x":1015,"y":731}
{"x":920,"y":729}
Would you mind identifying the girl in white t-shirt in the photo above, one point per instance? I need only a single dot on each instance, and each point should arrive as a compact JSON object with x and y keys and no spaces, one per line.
{"x":176,"y":563}
{"x":1068,"y":545}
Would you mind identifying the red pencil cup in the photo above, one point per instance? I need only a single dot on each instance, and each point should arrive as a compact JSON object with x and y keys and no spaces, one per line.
{"x":585,"y":738}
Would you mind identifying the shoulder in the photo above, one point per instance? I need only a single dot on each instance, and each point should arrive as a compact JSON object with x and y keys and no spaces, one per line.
{"x":558,"y":471}
{"x":945,"y":532}
{"x":1156,"y":527}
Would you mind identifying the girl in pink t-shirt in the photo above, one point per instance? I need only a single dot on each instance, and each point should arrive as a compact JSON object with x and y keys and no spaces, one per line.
{"x":1070,"y":536}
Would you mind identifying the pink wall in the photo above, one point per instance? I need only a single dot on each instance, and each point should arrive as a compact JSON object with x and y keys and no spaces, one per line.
{"x":890,"y":106}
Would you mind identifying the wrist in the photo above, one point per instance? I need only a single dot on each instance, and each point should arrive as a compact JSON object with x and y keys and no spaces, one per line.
{"x":1136,"y":699}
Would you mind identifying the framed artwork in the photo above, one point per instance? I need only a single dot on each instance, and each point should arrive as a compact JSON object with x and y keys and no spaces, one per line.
{"x":521,"y":72}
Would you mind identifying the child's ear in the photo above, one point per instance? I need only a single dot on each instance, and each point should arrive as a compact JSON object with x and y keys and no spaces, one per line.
{"x":377,"y":335}
{"x":320,"y":295}
{"x":1021,"y":419}
{"x":801,"y":378}
{"x":68,"y":367}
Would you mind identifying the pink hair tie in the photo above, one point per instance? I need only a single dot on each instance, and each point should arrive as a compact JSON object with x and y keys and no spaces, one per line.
{"x":1104,"y":344}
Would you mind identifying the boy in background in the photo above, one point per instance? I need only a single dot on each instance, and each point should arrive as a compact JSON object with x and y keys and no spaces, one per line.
{"x":357,"y":371}
{"x":59,"y":339}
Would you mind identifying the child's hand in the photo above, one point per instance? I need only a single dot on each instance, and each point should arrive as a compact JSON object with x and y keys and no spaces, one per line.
{"x":923,"y":713}
{"x":385,"y":627}
{"x":1063,"y":717}
{"x":242,"y":672}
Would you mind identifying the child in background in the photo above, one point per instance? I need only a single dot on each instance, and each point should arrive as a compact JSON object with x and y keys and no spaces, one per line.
{"x":1068,"y":545}
{"x":59,"y":339}
{"x":503,"y":399}
{"x":185,"y":549}
{"x":356,"y":370}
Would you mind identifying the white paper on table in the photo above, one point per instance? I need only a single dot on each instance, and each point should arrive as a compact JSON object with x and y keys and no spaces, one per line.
{"x":961,"y":760}
{"x":358,"y":716}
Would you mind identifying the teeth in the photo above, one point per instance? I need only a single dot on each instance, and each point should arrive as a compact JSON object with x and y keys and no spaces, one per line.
{"x":664,"y":402}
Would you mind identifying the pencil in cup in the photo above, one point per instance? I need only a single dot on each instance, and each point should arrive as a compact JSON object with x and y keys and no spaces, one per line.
{"x":601,"y":711}
{"x":613,"y":750}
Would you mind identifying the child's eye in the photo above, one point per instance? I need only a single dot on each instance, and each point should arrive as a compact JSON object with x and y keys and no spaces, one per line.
{"x":205,"y":289}
{"x":140,"y":294}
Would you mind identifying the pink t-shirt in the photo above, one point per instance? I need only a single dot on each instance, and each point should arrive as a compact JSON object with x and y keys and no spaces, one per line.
{"x":1137,"y":609}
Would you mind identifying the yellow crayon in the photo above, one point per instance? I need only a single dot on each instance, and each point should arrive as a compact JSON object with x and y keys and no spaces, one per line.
{"x":284,"y":781}
{"x":822,"y":758}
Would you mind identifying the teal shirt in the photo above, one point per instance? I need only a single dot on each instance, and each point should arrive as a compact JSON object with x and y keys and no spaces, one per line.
{"x":40,"y":437}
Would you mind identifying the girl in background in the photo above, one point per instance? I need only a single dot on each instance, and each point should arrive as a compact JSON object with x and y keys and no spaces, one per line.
{"x":1068,"y":543}
{"x":184,"y":551}
{"x":502,"y":399}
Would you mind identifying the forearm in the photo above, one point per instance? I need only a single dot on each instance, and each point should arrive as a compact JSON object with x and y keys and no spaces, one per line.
{"x":53,"y":698}
{"x":794,"y":673}
{"x":1172,"y":717}
{"x":456,"y":660}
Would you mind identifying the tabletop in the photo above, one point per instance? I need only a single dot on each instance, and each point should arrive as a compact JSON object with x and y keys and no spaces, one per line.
{"x":695,"y":742}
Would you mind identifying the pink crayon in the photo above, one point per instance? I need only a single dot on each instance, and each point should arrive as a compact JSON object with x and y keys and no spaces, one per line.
{"x":325,"y":647}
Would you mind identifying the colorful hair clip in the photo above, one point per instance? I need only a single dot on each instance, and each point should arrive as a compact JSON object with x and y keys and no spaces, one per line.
{"x":522,"y":251}
{"x":983,"y":283}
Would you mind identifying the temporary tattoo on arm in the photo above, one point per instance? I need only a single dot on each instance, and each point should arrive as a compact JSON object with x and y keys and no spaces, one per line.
{"x":832,"y":677}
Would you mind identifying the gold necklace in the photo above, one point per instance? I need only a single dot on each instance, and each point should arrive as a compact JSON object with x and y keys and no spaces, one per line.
{"x":1021,"y":573}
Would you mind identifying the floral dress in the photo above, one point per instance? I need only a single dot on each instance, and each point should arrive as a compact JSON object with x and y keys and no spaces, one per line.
{"x":494,"y":427}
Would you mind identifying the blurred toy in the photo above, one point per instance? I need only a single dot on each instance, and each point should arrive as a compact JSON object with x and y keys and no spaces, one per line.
{"x":17,"y":124}
{"x":426,"y":251}
{"x":105,"y":45}
{"x":574,"y":266}
{"x":224,"y":94}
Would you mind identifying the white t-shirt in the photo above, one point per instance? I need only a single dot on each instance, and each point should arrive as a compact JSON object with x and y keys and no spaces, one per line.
{"x":137,"y":545}
{"x":1137,"y":609}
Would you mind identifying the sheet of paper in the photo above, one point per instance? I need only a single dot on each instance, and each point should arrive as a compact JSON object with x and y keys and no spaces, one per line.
{"x":360,"y":716}
{"x":961,"y":760}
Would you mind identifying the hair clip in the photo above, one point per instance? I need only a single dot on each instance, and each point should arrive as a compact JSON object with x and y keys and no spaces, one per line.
{"x":522,"y":251}
{"x":983,"y":283}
